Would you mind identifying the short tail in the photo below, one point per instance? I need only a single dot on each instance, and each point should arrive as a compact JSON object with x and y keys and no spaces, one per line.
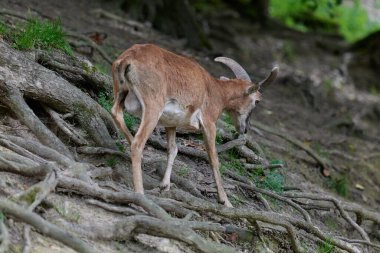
{"x":119,"y":71}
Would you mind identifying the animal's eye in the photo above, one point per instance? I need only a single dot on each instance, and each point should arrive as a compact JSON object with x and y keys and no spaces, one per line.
{"x":257,"y":101}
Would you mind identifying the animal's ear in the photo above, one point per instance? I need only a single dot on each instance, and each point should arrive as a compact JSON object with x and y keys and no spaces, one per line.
{"x":270,"y":78}
{"x":252,"y":89}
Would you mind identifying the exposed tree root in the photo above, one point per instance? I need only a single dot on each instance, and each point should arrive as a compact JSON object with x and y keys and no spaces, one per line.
{"x":98,"y":81}
{"x":196,"y":204}
{"x":183,"y":183}
{"x":14,"y":100}
{"x":199,"y":205}
{"x":45,"y":227}
{"x":103,"y":151}
{"x":325,"y":165}
{"x":40,"y":84}
{"x":4,"y":237}
{"x":43,"y":189}
{"x":66,"y":128}
{"x":343,"y":207}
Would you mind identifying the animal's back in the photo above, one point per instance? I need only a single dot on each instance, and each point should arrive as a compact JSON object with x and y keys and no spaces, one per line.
{"x":176,"y":82}
{"x":163,"y":73}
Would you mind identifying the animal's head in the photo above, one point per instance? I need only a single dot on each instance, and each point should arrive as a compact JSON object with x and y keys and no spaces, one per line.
{"x":249,"y":97}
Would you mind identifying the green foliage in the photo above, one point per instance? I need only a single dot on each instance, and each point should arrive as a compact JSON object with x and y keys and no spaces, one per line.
{"x":272,"y":180}
{"x":232,"y":162}
{"x":351,"y":22}
{"x":326,"y":247}
{"x":130,"y":121}
{"x":102,"y":69}
{"x":354,"y":23}
{"x":228,"y":119}
{"x":106,"y":102}
{"x":111,"y":162}
{"x":42,"y":34}
{"x":120,"y":146}
{"x":2,"y":217}
{"x":218,"y":138}
{"x":183,"y":171}
{"x":4,"y":29}
{"x":339,"y":184}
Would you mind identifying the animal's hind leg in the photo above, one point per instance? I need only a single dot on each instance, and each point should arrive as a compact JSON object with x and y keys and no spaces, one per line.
{"x":172,"y":153}
{"x":149,"y":120}
{"x":117,"y":113}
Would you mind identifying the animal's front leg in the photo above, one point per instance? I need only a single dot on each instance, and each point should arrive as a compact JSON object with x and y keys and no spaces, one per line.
{"x":209,"y":132}
{"x":172,"y":153}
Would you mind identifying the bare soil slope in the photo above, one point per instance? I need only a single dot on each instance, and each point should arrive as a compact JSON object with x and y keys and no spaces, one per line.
{"x":306,"y":177}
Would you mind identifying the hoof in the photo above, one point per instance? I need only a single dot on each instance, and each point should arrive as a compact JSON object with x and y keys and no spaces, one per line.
{"x":164,"y":187}
{"x":226,"y":203}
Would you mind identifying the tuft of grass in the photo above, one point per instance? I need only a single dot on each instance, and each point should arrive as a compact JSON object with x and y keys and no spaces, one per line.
{"x":111,"y":162}
{"x":228,"y":119}
{"x":272,"y":180}
{"x":102,"y":69}
{"x":105,"y":101}
{"x":130,"y":121}
{"x":218,"y":139}
{"x":232,"y":162}
{"x":183,"y":171}
{"x":120,"y":146}
{"x":42,"y":34}
{"x":339,"y":184}
{"x":326,"y":247}
{"x":4,"y":29}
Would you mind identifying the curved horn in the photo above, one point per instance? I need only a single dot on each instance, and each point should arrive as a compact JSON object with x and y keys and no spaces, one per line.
{"x":238,"y":70}
{"x":270,"y":78}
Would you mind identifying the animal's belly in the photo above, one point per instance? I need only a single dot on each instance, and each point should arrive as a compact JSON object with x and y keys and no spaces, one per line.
{"x":173,"y":114}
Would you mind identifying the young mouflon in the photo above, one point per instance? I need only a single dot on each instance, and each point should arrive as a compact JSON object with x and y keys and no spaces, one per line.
{"x":163,"y":88}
